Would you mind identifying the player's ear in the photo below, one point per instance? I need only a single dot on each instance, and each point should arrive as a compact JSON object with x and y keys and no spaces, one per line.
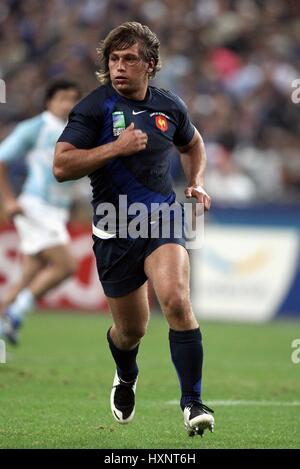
{"x":151,"y":66}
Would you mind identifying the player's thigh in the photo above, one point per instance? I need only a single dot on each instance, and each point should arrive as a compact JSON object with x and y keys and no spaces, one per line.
{"x":131,"y":312}
{"x":31,"y":266}
{"x":168,"y":268}
{"x":60,"y":256}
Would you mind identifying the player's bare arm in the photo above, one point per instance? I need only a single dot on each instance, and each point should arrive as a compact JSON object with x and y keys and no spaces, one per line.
{"x":73,"y":163}
{"x":193,"y":160}
{"x":8,"y":198}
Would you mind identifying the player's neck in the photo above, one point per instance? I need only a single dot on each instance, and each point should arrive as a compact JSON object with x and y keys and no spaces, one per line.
{"x":136,"y":95}
{"x":56,"y":115}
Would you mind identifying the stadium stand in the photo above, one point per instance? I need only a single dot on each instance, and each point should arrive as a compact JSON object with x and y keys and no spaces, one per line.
{"x":233,"y":62}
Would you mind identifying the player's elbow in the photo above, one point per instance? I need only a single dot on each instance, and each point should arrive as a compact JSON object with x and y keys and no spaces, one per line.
{"x":62,"y":169}
{"x":58,"y":172}
{"x":59,"y":166}
{"x":58,"y":175}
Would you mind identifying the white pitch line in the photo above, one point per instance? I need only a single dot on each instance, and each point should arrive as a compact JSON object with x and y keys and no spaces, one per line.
{"x":245,"y":403}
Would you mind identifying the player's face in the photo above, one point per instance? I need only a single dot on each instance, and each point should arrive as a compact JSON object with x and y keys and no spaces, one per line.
{"x":62,"y":102}
{"x":129,"y":74}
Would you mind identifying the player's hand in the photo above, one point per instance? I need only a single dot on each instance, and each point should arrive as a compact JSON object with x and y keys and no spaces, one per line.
{"x":200,"y":195}
{"x":12,"y":208}
{"x":131,"y":141}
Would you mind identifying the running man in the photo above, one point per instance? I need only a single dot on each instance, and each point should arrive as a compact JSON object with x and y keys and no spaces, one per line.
{"x":41,"y":211}
{"x":123,"y":135}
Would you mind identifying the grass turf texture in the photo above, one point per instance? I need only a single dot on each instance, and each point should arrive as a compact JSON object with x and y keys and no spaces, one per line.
{"x":54,"y":390}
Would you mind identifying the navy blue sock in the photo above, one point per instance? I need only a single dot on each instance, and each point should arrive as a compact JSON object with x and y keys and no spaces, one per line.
{"x":187,"y":356}
{"x":125,"y":360}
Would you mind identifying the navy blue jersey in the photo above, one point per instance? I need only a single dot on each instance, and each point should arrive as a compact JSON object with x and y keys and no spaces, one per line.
{"x":145,"y":176}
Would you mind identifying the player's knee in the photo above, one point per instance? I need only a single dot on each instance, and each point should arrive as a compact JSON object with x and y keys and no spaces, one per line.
{"x":134,"y":333}
{"x":177,"y":305}
{"x":72,"y":267}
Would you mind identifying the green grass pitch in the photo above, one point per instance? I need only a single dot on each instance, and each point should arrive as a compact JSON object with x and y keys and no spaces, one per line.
{"x":54,"y":388}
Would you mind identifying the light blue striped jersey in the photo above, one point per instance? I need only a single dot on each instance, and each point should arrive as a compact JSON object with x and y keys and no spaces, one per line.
{"x":35,"y":140}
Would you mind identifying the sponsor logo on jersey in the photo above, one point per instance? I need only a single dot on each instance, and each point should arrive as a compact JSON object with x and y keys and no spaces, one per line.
{"x":161,"y":123}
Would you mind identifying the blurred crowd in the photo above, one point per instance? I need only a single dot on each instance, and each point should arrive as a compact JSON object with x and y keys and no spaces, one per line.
{"x":232,"y":61}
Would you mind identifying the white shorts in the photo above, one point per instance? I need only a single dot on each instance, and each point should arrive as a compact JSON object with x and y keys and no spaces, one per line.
{"x":42,"y":226}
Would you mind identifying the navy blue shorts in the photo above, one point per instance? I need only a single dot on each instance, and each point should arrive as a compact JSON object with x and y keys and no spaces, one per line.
{"x":120,"y":261}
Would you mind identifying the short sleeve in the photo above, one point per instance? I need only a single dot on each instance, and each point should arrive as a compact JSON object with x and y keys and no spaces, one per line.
{"x":83,"y":127}
{"x":185,"y":129}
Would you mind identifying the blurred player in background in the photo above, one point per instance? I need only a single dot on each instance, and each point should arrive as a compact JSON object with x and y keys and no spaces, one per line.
{"x":41,"y":211}
{"x":124,"y":135}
